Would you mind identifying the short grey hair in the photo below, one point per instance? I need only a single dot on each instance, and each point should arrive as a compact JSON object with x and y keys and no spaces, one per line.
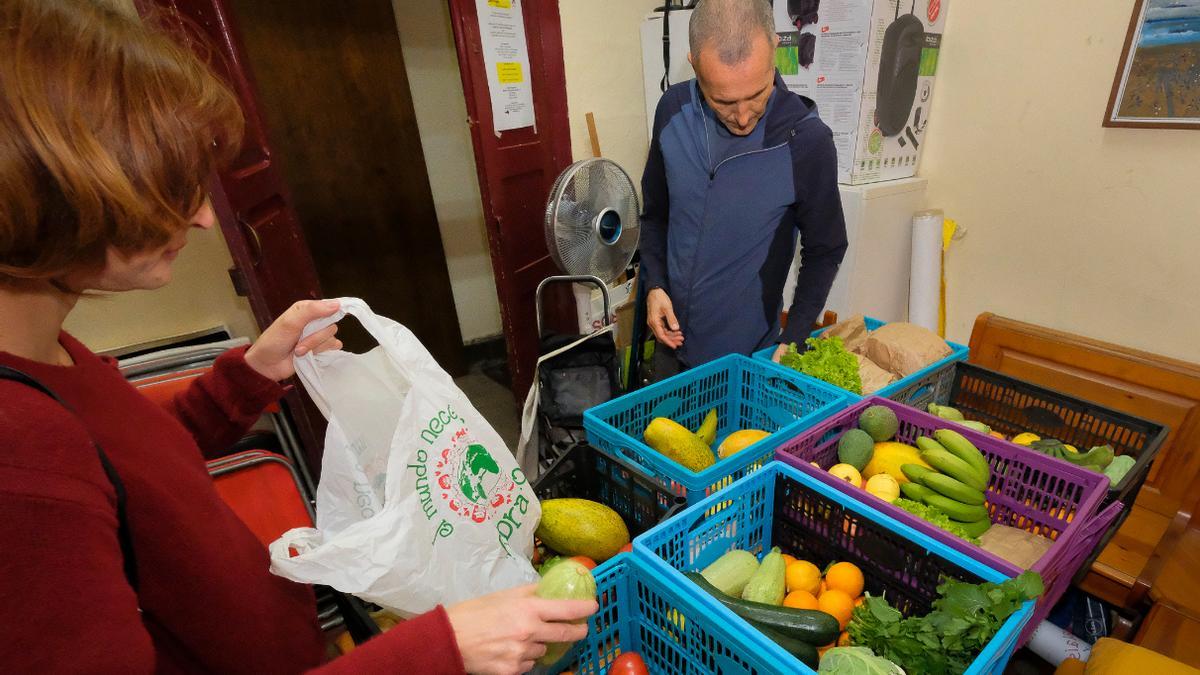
{"x":730,"y":27}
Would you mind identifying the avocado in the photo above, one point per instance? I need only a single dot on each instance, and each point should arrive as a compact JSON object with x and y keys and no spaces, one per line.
{"x":880,"y":422}
{"x":582,"y":527}
{"x":855,"y":448}
{"x":679,"y":444}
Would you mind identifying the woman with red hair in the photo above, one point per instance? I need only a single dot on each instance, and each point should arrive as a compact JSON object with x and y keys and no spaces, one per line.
{"x":118,"y":554}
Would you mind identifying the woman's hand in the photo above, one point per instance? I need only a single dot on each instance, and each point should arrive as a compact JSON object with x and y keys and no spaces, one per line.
{"x":271,"y":356}
{"x":505,"y":633}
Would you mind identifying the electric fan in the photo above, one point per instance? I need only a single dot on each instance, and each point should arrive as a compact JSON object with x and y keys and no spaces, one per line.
{"x":592,"y":221}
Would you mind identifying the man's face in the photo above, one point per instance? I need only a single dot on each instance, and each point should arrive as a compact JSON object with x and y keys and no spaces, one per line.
{"x":737,"y":94}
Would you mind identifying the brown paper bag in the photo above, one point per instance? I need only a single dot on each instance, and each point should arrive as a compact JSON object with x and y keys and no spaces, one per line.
{"x":1018,"y":547}
{"x":873,"y":377}
{"x":904,"y":348}
{"x":853,"y":332}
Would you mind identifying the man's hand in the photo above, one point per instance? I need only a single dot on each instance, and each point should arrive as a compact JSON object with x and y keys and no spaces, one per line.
{"x":660,"y":316}
{"x":271,"y":355}
{"x":779,"y":352}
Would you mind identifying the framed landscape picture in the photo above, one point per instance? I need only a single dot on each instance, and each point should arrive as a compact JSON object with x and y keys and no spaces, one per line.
{"x":1157,"y":85}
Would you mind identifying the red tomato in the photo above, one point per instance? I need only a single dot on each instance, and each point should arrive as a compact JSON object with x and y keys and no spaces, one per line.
{"x":627,"y":548}
{"x":585,"y":561}
{"x":629,"y":663}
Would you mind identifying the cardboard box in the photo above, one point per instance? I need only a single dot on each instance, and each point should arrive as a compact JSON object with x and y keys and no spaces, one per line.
{"x":834,"y":55}
{"x":589,"y":304}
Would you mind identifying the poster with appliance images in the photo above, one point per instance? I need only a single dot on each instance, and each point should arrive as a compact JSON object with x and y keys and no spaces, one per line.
{"x":870,"y":66}
{"x":506,"y":58}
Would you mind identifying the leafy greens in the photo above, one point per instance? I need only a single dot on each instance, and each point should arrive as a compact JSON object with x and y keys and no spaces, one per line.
{"x":948,"y":639}
{"x":826,"y":359}
{"x":935,"y":517}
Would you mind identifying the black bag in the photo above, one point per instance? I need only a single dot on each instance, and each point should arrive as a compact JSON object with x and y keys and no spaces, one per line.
{"x":900,"y":62}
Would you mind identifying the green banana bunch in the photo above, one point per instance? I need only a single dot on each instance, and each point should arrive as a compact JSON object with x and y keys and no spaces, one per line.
{"x":1097,"y":459}
{"x":956,"y":483}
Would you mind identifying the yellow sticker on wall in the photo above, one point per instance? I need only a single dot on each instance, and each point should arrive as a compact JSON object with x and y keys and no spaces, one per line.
{"x":509,"y":73}
{"x":503,"y":4}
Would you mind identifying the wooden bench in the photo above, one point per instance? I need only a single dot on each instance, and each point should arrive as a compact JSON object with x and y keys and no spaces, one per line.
{"x":1147,"y":385}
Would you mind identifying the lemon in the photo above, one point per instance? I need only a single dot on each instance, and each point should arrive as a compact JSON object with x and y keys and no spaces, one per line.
{"x":848,"y":473}
{"x":884,"y":486}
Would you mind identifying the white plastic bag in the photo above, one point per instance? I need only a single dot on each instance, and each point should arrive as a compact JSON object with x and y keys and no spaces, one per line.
{"x":420,"y":503}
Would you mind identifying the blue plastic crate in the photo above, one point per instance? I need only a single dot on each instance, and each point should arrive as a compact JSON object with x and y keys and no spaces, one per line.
{"x":642,"y":612}
{"x":781,"y":506}
{"x":931,"y":383}
{"x":747,"y":394}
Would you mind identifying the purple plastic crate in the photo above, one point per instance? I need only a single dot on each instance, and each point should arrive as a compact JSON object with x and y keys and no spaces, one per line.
{"x":1028,"y":490}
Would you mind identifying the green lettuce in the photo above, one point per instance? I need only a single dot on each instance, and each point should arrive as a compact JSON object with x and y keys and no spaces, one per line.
{"x":826,"y":359}
{"x":934,"y":517}
{"x":856,"y":661}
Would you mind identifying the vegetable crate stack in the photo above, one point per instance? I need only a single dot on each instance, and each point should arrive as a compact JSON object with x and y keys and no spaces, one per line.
{"x":997,"y":502}
{"x":864,"y":356}
{"x":1055,"y":424}
{"x":644,"y":614}
{"x":698,"y":431}
{"x":812,"y":576}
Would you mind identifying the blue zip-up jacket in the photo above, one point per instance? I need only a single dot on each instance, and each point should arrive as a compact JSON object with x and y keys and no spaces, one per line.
{"x":719,"y":237}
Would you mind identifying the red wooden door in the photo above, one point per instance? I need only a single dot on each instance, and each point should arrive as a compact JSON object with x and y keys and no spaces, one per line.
{"x":273,"y":266}
{"x":517,"y":170}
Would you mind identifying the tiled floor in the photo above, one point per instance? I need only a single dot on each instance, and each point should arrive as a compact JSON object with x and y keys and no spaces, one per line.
{"x":495,"y":403}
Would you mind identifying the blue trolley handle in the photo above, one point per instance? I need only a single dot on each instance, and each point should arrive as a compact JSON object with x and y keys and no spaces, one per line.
{"x":580,"y":278}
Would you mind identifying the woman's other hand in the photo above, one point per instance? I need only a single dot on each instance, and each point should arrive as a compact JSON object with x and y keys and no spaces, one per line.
{"x":271,"y":355}
{"x":506,"y":632}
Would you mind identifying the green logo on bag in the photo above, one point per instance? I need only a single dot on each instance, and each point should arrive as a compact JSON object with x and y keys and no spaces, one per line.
{"x":477,"y":465}
{"x":468,"y":479}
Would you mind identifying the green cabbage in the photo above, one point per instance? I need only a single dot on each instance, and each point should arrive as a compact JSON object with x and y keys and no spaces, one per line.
{"x":826,"y":359}
{"x":856,"y":661}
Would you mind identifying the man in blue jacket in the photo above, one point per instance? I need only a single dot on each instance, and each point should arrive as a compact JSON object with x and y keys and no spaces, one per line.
{"x":738,"y":166}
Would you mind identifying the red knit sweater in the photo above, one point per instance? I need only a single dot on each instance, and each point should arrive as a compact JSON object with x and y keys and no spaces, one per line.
{"x":207,"y":601}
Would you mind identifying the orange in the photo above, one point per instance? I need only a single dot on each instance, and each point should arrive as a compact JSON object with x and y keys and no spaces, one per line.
{"x":843,"y":639}
{"x":821,"y":650}
{"x":803,"y":576}
{"x":788,"y":560}
{"x":845,"y":577}
{"x":800,"y":600}
{"x":859,"y":600}
{"x":822,"y":589}
{"x":838,"y":605}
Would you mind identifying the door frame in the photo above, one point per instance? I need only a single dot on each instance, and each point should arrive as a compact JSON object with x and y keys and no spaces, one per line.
{"x":543,"y":30}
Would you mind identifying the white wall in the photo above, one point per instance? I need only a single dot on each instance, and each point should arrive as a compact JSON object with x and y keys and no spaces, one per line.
{"x":1070,"y":225}
{"x":602,"y":52}
{"x":427,"y":39}
{"x":200,"y":296}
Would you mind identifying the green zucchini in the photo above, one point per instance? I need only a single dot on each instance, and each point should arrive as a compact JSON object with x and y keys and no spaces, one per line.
{"x":806,"y":625}
{"x":767,"y":583}
{"x":806,"y":653}
{"x":732,"y":571}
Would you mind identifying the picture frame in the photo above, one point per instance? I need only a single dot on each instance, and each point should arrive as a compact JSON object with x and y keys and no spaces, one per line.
{"x":1157,"y":83}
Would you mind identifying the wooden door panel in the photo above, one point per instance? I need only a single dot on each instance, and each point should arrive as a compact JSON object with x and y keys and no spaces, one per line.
{"x":516,"y":171}
{"x":1143,"y":384}
{"x":272,"y":264}
{"x":340,"y":113}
